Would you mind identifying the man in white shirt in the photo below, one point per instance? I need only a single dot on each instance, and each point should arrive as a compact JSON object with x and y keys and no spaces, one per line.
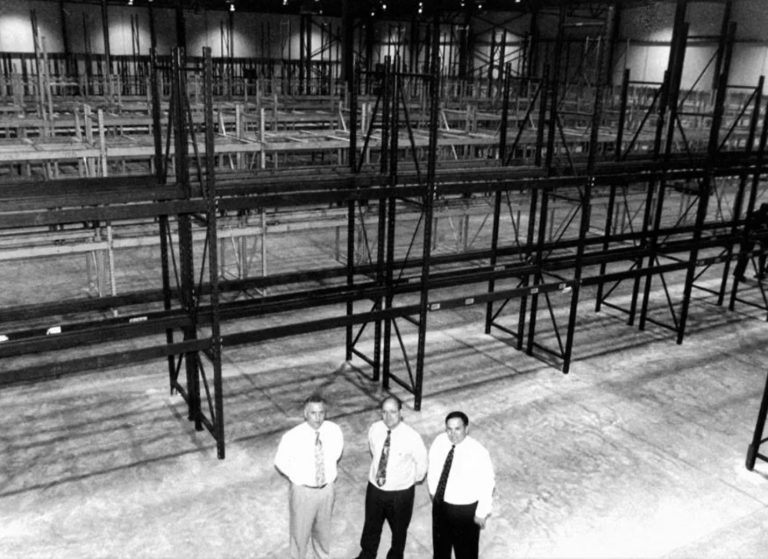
{"x":461,"y":482}
{"x":307,"y":455}
{"x":399,"y":461}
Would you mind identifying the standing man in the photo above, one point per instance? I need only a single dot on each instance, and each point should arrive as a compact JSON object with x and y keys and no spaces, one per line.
{"x":399,"y":461}
{"x":307,"y":455}
{"x":461,"y":482}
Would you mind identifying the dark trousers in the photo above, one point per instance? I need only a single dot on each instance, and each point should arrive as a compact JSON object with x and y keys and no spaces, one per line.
{"x":396,"y":507}
{"x":454,"y":528}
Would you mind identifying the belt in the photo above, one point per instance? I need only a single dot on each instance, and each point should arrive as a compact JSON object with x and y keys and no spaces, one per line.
{"x":315,"y":486}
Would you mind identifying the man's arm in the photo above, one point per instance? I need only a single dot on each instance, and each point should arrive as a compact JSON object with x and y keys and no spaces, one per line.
{"x":283,"y":456}
{"x":419,"y":456}
{"x":485,"y":485}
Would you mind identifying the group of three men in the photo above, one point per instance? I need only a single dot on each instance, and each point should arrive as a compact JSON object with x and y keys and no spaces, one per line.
{"x":459,"y":475}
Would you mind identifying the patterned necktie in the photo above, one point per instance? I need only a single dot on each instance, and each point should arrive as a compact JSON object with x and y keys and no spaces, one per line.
{"x":381,"y":471}
{"x":319,"y":462}
{"x":444,"y":475}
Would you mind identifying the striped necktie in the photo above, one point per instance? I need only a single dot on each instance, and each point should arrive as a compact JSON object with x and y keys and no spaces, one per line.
{"x":319,"y":462}
{"x":381,"y":471}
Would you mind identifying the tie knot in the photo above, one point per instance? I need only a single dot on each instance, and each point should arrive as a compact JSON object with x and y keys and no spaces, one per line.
{"x":389,"y":432}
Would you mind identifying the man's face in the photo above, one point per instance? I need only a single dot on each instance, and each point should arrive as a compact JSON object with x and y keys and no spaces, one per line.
{"x":456,"y":430}
{"x":390,"y":414}
{"x":314,"y":413}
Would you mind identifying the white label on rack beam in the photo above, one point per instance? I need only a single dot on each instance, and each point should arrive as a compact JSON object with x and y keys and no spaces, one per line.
{"x":3,"y":338}
{"x":137,"y":319}
{"x":53,"y":330}
{"x":469,"y":301}
{"x":434,"y":307}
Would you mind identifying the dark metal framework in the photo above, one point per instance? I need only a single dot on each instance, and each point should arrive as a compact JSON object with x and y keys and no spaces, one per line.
{"x":593,"y":219}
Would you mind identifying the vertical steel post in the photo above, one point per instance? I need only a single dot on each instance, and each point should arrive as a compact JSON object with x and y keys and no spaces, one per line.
{"x":394,"y":86}
{"x":739,"y":202}
{"x":612,"y":193}
{"x":186,"y":246}
{"x":160,"y":173}
{"x":429,"y":197}
{"x":107,"y":53}
{"x":213,"y":264}
{"x":756,"y":178}
{"x":498,"y":195}
{"x":381,"y":355}
{"x":706,"y":183}
{"x":351,"y":206}
{"x":757,"y":437}
{"x":586,"y":200}
{"x":649,"y":197}
{"x":551,"y":134}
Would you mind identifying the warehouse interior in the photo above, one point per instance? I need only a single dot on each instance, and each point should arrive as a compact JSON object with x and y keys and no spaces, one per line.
{"x":552,"y":215}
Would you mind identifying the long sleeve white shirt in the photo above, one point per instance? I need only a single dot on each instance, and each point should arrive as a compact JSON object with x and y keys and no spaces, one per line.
{"x":407,"y":462}
{"x":471,"y":476}
{"x":295,"y":455}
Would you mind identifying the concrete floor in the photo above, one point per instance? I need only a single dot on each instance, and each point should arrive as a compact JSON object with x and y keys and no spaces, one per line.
{"x":638,"y":452}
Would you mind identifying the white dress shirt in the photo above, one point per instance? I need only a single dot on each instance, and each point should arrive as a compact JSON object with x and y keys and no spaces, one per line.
{"x":296,"y":452}
{"x":471,"y":476}
{"x":407,"y":462}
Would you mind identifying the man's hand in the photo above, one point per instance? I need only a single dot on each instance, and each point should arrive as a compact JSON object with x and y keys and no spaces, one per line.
{"x":480,"y":521}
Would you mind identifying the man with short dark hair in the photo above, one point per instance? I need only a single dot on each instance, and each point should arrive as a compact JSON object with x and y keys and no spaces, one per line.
{"x":307,"y":455}
{"x":461,"y":482}
{"x":399,"y":461}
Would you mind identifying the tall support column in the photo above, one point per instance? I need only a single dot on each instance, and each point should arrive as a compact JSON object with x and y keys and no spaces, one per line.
{"x":385,"y":233}
{"x":181,"y":26}
{"x":348,"y":38}
{"x":107,"y":54}
{"x":368,"y":40}
{"x":586,"y":199}
{"x":165,"y":230}
{"x":302,"y":51}
{"x":648,"y":212}
{"x":609,"y":214}
{"x":465,"y":44}
{"x":669,"y":103}
{"x":186,"y":248}
{"x":498,"y":195}
{"x":753,"y":452}
{"x":351,"y":207}
{"x":152,"y":31}
{"x":213,"y":263}
{"x":723,"y":33}
{"x":706,"y":183}
{"x":534,"y":45}
{"x":738,"y":204}
{"x":553,"y":98}
{"x":391,"y":214}
{"x":756,"y":179}
{"x":612,"y":39}
{"x":231,"y":57}
{"x":429,"y":198}
{"x":70,"y":63}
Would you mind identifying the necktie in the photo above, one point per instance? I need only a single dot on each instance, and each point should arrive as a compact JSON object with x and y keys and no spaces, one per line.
{"x":381,"y":471}
{"x":444,"y":475}
{"x":319,"y":462}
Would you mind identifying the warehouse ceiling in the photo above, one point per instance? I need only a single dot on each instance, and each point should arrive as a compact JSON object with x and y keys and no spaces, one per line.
{"x":373,"y":8}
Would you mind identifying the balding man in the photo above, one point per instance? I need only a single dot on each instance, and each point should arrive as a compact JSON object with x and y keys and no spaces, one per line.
{"x":399,"y":461}
{"x":307,"y":455}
